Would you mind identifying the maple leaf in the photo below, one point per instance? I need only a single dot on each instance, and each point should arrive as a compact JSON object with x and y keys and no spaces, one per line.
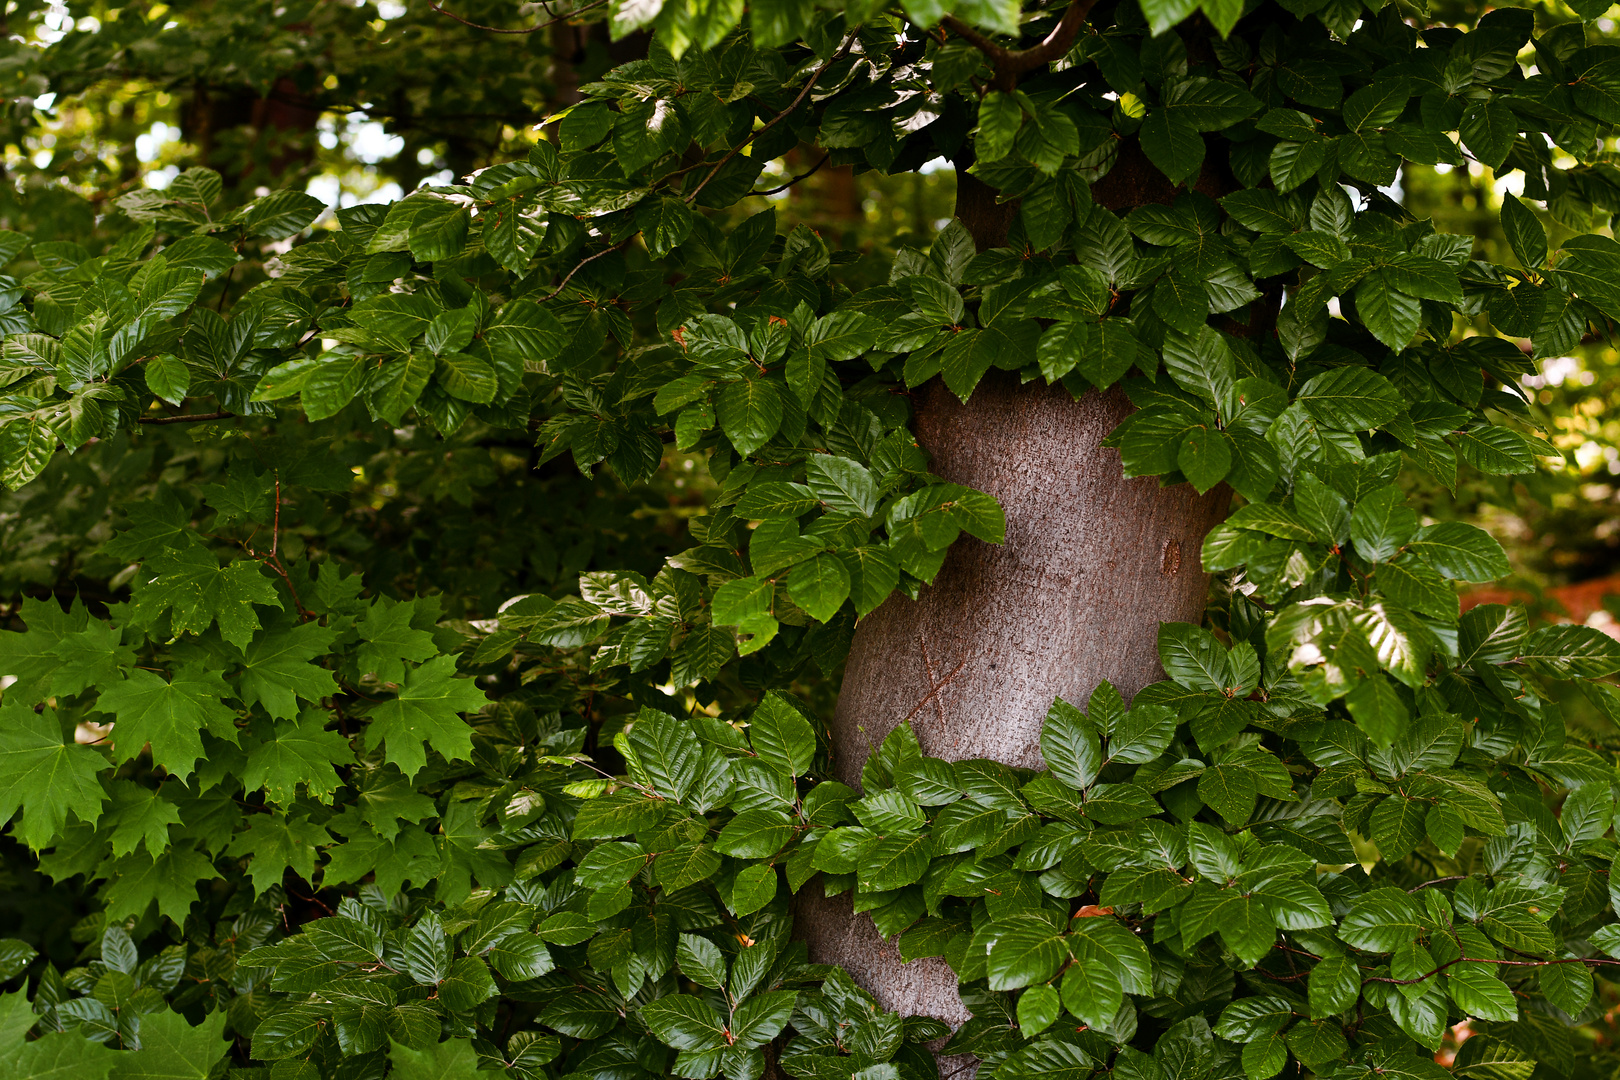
{"x":390,"y":640}
{"x":44,"y":774}
{"x":78,"y":849}
{"x":452,"y":1059}
{"x":299,"y":752}
{"x":159,"y":523}
{"x":196,"y":591}
{"x":168,"y":715}
{"x":387,"y":801}
{"x":410,"y":856}
{"x":89,"y":657}
{"x":277,"y":669}
{"x":170,"y":879}
{"x":243,"y":497}
{"x":138,"y":815}
{"x":171,"y":1049}
{"x":426,"y":711}
{"x":30,"y":657}
{"x":461,"y":859}
{"x":56,"y":1055}
{"x":210,"y":819}
{"x":275,"y":843}
{"x":338,"y":593}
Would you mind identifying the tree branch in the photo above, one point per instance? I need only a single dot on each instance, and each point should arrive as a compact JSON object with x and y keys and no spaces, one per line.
{"x":525,"y":30}
{"x":809,"y":84}
{"x":188,"y":418}
{"x":563,"y":284}
{"x":1011,"y":63}
{"x":811,"y":171}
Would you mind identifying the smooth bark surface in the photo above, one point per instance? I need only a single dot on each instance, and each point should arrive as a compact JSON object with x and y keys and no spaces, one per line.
{"x":1092,"y":564}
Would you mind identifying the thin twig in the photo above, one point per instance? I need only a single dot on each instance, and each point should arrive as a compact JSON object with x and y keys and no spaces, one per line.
{"x":563,"y":284}
{"x":1499,"y":963}
{"x":527,"y":29}
{"x":808,"y":173}
{"x":809,"y":84}
{"x":188,"y":418}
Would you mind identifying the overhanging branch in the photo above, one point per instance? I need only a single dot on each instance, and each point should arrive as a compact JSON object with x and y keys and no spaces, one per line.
{"x":1011,"y":63}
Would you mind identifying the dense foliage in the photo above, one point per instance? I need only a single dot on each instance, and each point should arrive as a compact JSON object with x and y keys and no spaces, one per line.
{"x":428,"y":613}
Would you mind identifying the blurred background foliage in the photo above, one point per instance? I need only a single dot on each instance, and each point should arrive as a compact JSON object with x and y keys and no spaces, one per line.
{"x":129,"y":94}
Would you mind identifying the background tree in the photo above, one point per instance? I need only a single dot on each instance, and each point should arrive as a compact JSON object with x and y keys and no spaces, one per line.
{"x":430,"y":609}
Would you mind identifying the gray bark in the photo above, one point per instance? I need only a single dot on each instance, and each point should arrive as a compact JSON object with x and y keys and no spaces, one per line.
{"x":1091,"y":565}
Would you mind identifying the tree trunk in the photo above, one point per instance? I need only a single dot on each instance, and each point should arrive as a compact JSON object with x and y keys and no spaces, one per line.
{"x":1092,"y":564}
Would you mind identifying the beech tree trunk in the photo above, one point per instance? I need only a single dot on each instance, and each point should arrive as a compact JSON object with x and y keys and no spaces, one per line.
{"x":1092,"y":564}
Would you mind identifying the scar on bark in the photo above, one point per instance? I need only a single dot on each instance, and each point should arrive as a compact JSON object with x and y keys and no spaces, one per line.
{"x":934,"y":687}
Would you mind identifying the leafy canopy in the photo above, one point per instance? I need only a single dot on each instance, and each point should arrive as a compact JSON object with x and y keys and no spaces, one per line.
{"x":554,"y":829}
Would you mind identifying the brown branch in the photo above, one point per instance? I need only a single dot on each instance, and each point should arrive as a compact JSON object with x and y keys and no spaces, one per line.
{"x":527,"y":29}
{"x":802,"y":176}
{"x":1011,"y":63}
{"x":809,"y":84}
{"x":188,"y":418}
{"x":563,"y":284}
{"x":1499,"y":963}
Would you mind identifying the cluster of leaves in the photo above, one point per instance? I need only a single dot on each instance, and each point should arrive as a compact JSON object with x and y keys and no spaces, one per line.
{"x":1349,"y":822}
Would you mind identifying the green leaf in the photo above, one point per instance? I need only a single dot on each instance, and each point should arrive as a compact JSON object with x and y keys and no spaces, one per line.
{"x":1567,"y":985}
{"x":45,"y":775}
{"x":426,"y":712}
{"x":276,"y":843}
{"x":1461,"y":551}
{"x":54,"y":1055}
{"x":168,"y":716}
{"x":1092,"y":993}
{"x":845,"y":486}
{"x":1525,"y":232}
{"x":1351,"y":399}
{"x":138,"y":817}
{"x":820,"y":585}
{"x":999,"y":119}
{"x":1193,"y":657}
{"x":895,"y":861}
{"x":1382,"y":921}
{"x":684,"y":1022}
{"x":170,"y":880}
{"x":1391,"y":315}
{"x":1070,"y":746}
{"x":467,"y":378}
{"x":1038,"y":1008}
{"x":749,"y":412}
{"x":1335,"y":984}
{"x":781,"y":735}
{"x":196,"y":591}
{"x":452,"y":1059}
{"x":762,"y":1017}
{"x":298,"y":752}
{"x":1027,"y":949}
{"x":1488,"y":130}
{"x":1205,"y":457}
{"x":755,"y":834}
{"x":394,"y":387}
{"x":1382,"y":523}
{"x":168,"y":377}
{"x":279,"y":214}
{"x":277,"y":670}
{"x":1264,"y":1056}
{"x":701,"y":961}
{"x":390,"y":638}
{"x":1568,"y":652}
